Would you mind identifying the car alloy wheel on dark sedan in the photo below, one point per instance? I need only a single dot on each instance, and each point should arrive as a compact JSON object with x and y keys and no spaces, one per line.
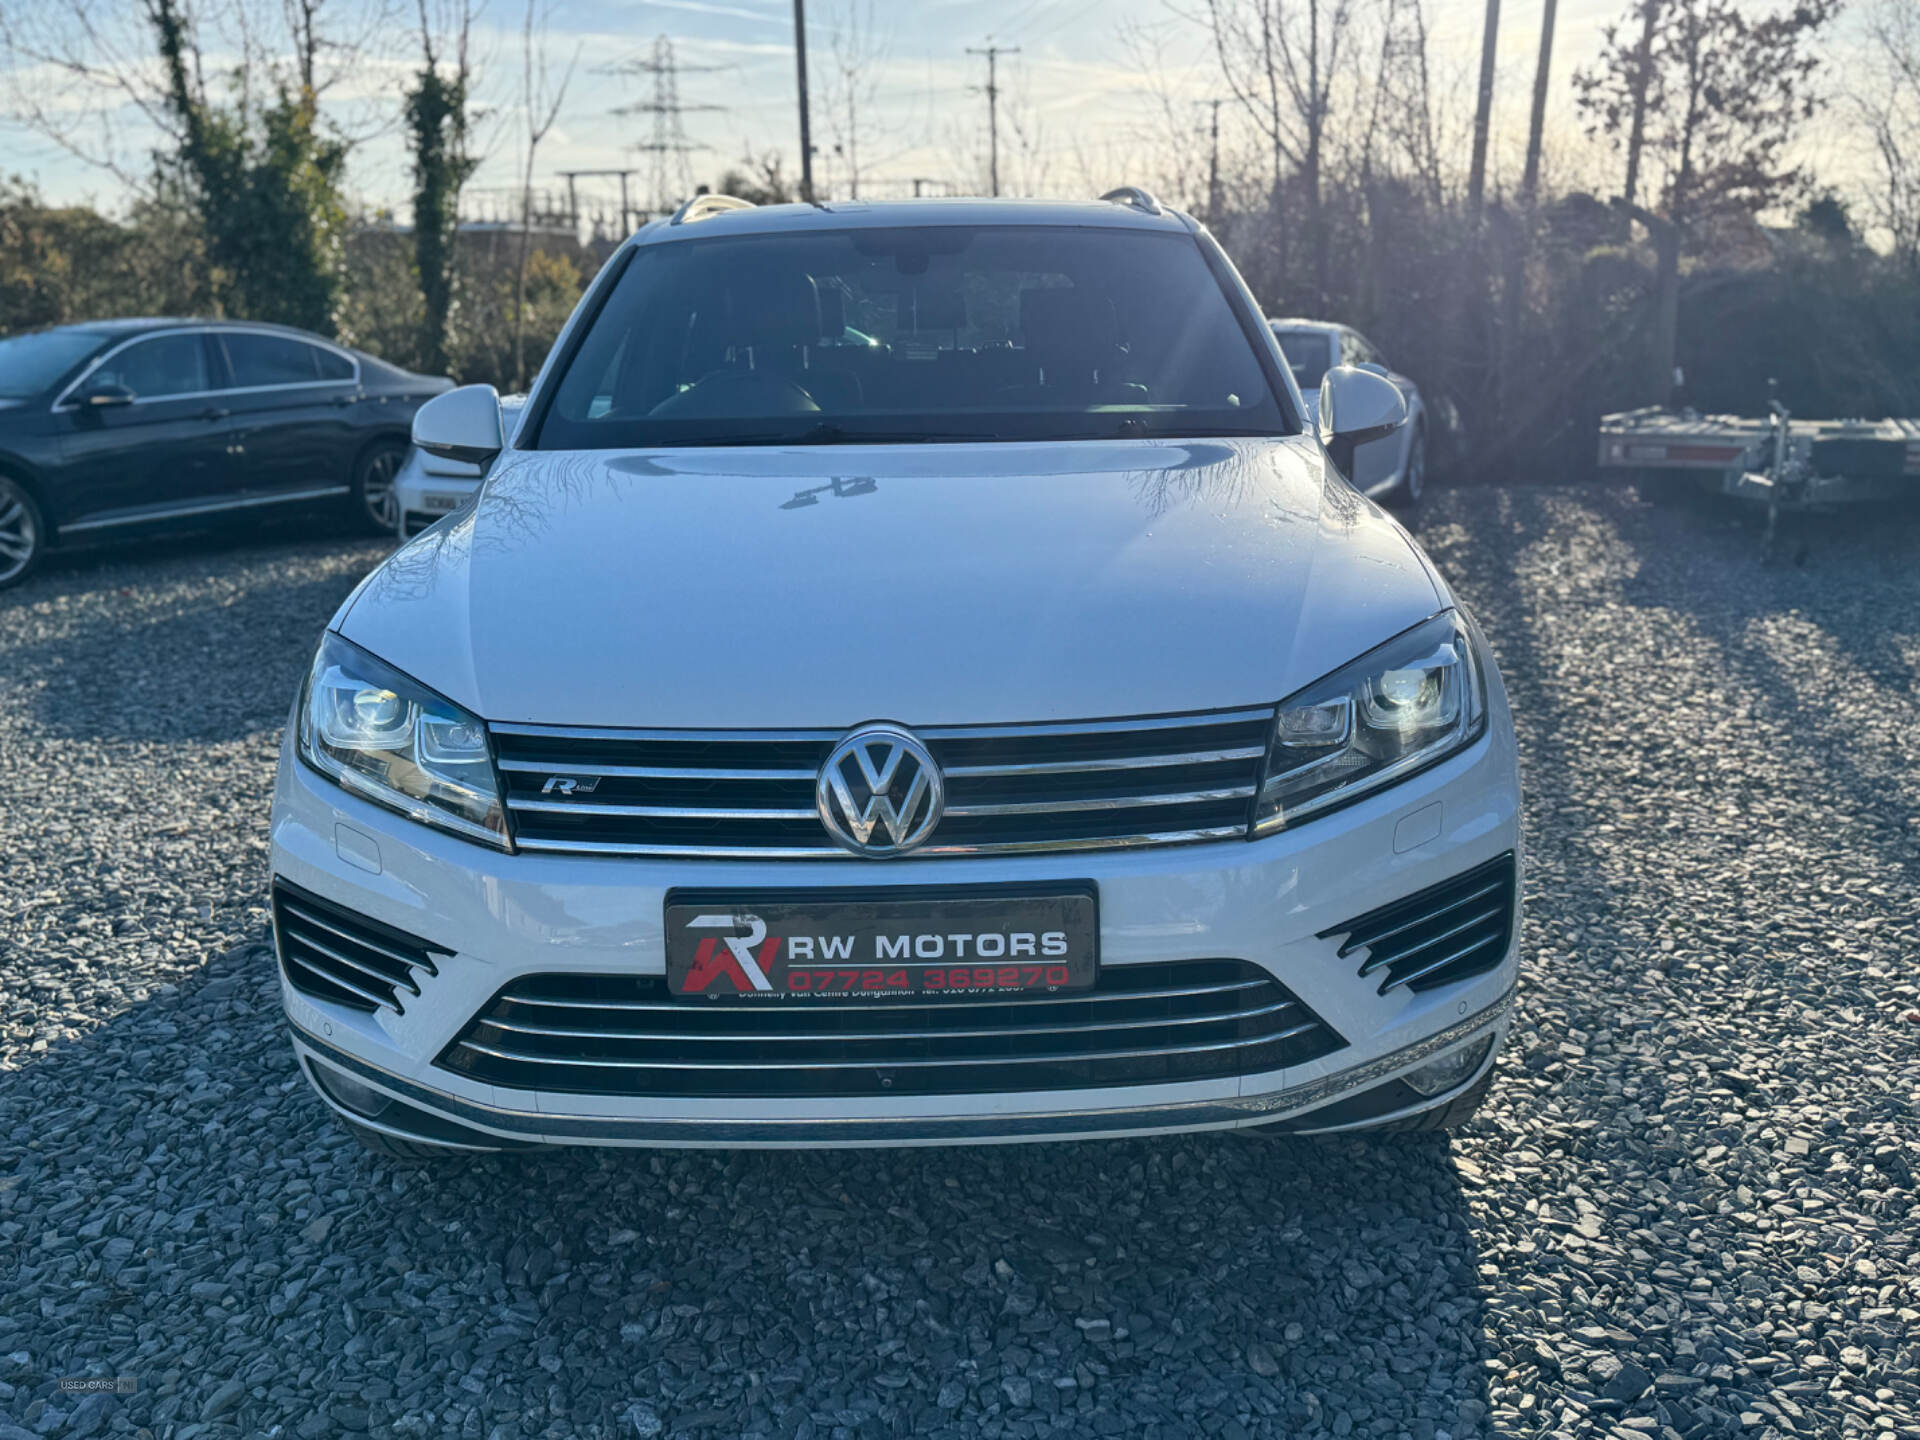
{"x":21,"y":531}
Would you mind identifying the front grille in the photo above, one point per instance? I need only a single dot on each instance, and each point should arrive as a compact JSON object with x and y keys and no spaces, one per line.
{"x":1139,"y":1025}
{"x":737,"y":794}
{"x":1447,"y":932}
{"x":332,"y":954}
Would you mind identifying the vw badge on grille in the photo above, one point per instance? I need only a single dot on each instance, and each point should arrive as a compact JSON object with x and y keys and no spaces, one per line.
{"x":880,"y":792}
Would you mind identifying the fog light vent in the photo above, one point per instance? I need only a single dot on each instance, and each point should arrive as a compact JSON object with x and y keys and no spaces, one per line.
{"x":332,"y":954}
{"x":1447,"y":932}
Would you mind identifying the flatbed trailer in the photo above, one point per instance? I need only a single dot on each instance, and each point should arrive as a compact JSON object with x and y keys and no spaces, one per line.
{"x":1783,"y":463}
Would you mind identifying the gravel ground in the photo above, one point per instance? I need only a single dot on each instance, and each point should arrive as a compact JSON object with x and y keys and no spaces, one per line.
{"x":1689,"y":1208}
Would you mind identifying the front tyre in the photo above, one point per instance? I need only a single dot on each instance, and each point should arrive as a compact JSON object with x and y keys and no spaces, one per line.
{"x":1450,"y":1116}
{"x":1413,"y":475}
{"x":378,"y":1142}
{"x":374,"y":503}
{"x":23,"y":532}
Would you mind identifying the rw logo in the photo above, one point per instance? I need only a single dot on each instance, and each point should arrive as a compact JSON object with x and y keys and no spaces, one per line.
{"x":731,"y":957}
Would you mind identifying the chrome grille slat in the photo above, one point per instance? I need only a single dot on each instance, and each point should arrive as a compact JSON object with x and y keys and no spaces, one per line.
{"x":1104,"y":802}
{"x":892,"y":1063}
{"x":653,"y":772}
{"x":1010,"y":789}
{"x":1400,"y":938}
{"x":1074,"y":767}
{"x":1140,"y":1025}
{"x":1261,"y":714}
{"x":818,"y":1037}
{"x":1090,"y":997}
{"x":655,"y":812}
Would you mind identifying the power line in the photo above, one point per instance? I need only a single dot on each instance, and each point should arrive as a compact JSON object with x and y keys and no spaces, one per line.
{"x":670,"y":172}
{"x":993,"y":54}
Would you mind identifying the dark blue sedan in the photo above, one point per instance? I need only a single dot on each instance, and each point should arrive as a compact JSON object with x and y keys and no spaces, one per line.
{"x":128,"y":426}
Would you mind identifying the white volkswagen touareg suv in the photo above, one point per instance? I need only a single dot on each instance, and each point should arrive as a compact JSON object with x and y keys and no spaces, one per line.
{"x":913,"y":677}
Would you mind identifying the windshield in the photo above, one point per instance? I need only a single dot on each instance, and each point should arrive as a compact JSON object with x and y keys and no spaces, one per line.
{"x":29,"y":364}
{"x":936,"y":333}
{"x":1309,"y":355}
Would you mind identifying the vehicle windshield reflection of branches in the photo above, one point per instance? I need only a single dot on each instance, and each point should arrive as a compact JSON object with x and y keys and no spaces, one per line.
{"x":1001,"y":333}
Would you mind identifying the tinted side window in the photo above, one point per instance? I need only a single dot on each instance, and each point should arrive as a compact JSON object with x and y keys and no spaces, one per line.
{"x":1309,"y":355}
{"x":154,"y":369}
{"x":332,"y":366}
{"x":269,"y":360}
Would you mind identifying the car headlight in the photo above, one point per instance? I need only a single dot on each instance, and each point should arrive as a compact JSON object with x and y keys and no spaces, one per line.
{"x":1417,"y":699}
{"x":392,"y":740}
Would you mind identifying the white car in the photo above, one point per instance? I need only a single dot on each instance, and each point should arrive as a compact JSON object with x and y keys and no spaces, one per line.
{"x":1393,"y":467}
{"x":430,"y":487}
{"x":1013,"y":728}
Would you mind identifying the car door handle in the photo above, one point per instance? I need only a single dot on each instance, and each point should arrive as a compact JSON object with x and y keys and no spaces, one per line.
{"x":214,"y":412}
{"x":345,"y":400}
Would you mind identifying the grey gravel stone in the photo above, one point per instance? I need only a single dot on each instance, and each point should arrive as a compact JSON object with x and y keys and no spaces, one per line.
{"x":1688,"y":1208}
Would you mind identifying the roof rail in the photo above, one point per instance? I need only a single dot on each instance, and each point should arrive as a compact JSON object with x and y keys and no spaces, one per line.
{"x":1133,"y":195}
{"x":702,"y":206}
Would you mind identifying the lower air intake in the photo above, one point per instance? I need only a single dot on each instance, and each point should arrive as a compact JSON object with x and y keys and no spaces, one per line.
{"x":332,"y":954}
{"x":1139,"y":1025}
{"x":1450,"y":931}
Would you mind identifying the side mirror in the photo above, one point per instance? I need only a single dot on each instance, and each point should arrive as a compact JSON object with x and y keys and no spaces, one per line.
{"x":105,"y":395}
{"x":462,"y":424}
{"x":1357,"y":406}
{"x":1372,"y":367}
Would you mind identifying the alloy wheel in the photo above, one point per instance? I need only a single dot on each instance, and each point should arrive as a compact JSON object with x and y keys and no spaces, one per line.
{"x":376,"y":487}
{"x":1413,"y":482}
{"x":19,"y":531}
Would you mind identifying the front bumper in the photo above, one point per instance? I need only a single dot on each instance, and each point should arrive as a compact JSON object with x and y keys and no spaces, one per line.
{"x":1263,"y":901}
{"x":422,"y":496}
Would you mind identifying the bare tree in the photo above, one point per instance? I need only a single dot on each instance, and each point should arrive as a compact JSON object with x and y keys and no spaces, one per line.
{"x":857,"y":49}
{"x":85,"y":75}
{"x":1174,"y":148}
{"x":1712,"y":94}
{"x":1886,"y":100}
{"x":1400,"y":140}
{"x":1281,"y":61}
{"x":541,"y":97}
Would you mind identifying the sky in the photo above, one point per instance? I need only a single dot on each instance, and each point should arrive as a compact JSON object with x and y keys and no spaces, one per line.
{"x":1076,"y":86}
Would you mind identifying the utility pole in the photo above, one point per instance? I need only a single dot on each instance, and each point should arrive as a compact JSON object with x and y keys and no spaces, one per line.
{"x":573,"y":196}
{"x":993,"y":54}
{"x":806,"y":126}
{"x":1213,"y":164}
{"x":1642,"y":85}
{"x":1483,"y":111}
{"x":1530,"y":181}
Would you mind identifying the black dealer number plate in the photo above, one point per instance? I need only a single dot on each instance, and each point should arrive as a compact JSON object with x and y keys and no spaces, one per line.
{"x":832,"y":947}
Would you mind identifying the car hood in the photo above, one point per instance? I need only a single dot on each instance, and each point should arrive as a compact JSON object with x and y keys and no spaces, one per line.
{"x":824,"y":586}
